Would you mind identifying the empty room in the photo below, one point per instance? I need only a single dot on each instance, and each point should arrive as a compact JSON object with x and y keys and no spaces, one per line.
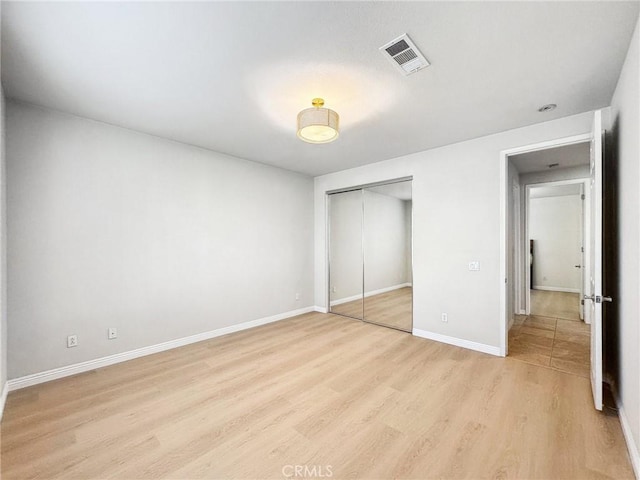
{"x":314,"y":239}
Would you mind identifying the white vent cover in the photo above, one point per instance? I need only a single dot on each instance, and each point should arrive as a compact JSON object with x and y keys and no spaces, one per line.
{"x":403,"y":53}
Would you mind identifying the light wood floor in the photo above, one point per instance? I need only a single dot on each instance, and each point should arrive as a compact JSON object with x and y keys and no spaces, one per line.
{"x":555,"y":304}
{"x":316,"y":390}
{"x":393,"y":309}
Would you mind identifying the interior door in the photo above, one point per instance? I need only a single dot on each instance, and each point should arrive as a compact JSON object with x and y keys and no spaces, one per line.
{"x":595,"y":296}
{"x":582,"y":263}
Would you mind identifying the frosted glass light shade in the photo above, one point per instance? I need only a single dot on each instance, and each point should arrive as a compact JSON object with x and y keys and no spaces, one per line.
{"x":318,"y":125}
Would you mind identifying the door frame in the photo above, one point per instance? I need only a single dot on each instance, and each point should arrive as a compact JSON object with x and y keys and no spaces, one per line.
{"x":585,"y":232}
{"x":504,"y":212}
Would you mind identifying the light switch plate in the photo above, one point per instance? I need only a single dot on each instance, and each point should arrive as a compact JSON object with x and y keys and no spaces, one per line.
{"x":474,"y":266}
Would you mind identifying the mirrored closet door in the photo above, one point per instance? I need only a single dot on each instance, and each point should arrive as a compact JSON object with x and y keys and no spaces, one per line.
{"x":388,"y":297}
{"x":345,"y":254}
{"x":370,"y":254}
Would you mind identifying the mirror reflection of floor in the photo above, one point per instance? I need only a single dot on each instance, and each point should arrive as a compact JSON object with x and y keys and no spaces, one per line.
{"x":393,"y":309}
{"x":554,"y":337}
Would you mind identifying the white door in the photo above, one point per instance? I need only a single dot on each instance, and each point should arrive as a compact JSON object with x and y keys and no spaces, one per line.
{"x":581,"y":263}
{"x":594,"y":296}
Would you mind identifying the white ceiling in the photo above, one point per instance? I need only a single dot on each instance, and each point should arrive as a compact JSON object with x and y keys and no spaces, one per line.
{"x":555,"y":191}
{"x":567,"y":156}
{"x":231,"y":76}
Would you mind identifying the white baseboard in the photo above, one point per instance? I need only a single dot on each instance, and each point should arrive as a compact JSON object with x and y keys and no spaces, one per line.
{"x":46,"y":376}
{"x":320,"y":309}
{"x":352,"y":298}
{"x":3,"y":398}
{"x":369,"y":294}
{"x":632,"y":446}
{"x":556,"y":289}
{"x":458,"y":342}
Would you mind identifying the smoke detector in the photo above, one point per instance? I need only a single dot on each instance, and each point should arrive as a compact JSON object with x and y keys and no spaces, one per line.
{"x":404,"y":55}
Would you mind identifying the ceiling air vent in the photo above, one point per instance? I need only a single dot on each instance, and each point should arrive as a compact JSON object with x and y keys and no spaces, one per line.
{"x":403,"y":53}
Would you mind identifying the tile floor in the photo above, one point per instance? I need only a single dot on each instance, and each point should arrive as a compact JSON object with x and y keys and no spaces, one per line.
{"x":561,"y":342}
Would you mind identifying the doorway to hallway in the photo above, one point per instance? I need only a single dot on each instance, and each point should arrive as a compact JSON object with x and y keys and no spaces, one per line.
{"x":515,"y":320}
{"x":553,"y":334}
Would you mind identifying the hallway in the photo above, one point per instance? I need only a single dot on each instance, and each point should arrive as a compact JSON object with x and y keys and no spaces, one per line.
{"x":554,"y":336}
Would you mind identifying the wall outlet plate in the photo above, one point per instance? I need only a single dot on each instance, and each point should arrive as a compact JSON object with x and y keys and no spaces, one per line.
{"x":72,"y":341}
{"x":445,"y":318}
{"x":474,"y":266}
{"x":112,"y":333}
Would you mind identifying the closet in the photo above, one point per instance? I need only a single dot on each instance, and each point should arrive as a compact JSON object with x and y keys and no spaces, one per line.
{"x":370,"y":253}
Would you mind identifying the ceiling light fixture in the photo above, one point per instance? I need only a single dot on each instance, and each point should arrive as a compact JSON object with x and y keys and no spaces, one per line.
{"x":318,"y":124}
{"x":547,"y":108}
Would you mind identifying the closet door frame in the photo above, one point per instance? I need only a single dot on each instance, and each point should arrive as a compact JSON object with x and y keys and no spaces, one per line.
{"x":328,"y":242}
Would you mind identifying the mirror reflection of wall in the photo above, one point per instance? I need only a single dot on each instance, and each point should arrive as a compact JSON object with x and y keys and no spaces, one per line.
{"x":387,"y":255}
{"x":345,"y":253}
{"x":370,"y":265}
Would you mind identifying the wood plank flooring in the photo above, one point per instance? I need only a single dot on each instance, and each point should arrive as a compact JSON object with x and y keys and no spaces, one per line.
{"x":317,"y":391}
{"x":393,"y":309}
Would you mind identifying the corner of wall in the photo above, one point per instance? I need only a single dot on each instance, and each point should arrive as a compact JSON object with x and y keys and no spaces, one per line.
{"x":3,"y":397}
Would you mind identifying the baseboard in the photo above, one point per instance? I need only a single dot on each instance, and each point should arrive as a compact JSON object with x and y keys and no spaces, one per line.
{"x":66,"y":371}
{"x":369,"y":294}
{"x":458,"y":342}
{"x":3,"y":398}
{"x":352,"y":298}
{"x":556,"y":289}
{"x":632,"y":447}
{"x":320,"y":309}
{"x":511,"y":322}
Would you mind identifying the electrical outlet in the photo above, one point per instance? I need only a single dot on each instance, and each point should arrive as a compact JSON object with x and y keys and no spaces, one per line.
{"x":297,"y":296}
{"x":333,"y":289}
{"x":112,"y":333}
{"x":474,"y":266}
{"x":72,"y":341}
{"x":445,"y":318}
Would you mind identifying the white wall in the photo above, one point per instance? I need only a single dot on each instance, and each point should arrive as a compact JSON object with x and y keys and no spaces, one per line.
{"x":3,"y":248}
{"x":385,"y":242}
{"x":112,"y":228}
{"x":456,"y":211}
{"x":571,"y":173}
{"x":555,"y":225}
{"x":625,"y":112}
{"x":3,"y":244}
{"x":408,"y":223}
{"x":513,"y":193}
{"x":346,"y":245}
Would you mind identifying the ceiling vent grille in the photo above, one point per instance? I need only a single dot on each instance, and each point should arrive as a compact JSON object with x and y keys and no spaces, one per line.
{"x":403,"y":53}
